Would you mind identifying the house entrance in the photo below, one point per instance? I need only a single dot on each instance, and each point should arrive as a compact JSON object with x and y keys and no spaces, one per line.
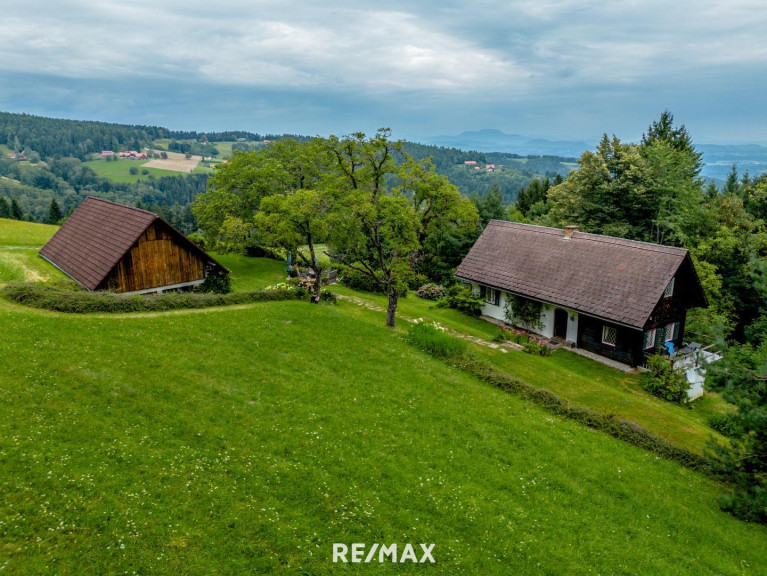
{"x":560,"y":323}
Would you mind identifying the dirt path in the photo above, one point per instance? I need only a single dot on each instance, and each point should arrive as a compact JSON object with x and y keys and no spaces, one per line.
{"x":503,"y":347}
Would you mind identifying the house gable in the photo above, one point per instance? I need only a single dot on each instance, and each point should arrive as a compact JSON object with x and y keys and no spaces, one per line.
{"x":613,"y":279}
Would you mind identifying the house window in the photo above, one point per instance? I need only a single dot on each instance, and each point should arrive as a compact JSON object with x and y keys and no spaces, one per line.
{"x":672,"y":331}
{"x":493,"y":296}
{"x":669,"y":289}
{"x":649,"y":339}
{"x":609,"y":335}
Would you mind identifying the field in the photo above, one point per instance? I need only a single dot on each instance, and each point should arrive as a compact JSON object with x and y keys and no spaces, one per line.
{"x":175,"y":162}
{"x":119,"y":171}
{"x":250,"y":439}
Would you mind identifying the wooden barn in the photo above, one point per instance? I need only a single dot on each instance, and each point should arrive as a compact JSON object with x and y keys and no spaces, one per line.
{"x":617,"y":298}
{"x":108,"y":246}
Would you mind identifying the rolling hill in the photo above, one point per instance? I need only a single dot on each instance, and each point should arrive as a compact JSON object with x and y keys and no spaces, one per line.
{"x":249,"y":439}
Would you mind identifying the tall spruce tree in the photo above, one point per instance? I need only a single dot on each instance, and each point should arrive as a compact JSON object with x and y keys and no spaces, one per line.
{"x":16,"y":212}
{"x":54,"y":212}
{"x":5,"y":208}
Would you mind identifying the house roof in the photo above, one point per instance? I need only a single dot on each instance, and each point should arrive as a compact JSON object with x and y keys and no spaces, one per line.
{"x":611,"y":278}
{"x":96,"y":237}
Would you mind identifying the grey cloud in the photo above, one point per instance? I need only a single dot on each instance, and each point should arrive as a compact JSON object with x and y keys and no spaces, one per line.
{"x":547,"y":67}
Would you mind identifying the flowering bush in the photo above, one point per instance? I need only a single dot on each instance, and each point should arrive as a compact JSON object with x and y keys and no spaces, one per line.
{"x":432,"y":291}
{"x":537,"y":346}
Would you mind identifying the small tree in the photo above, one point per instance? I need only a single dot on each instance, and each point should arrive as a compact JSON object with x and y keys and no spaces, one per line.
{"x":54,"y":212}
{"x":294,"y":220}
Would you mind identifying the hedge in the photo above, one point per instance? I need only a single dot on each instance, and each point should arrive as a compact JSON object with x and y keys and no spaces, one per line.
{"x":77,"y":301}
{"x":614,"y":426}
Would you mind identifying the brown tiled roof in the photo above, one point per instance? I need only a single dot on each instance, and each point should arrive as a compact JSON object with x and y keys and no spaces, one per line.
{"x":610,"y":278}
{"x":96,"y":237}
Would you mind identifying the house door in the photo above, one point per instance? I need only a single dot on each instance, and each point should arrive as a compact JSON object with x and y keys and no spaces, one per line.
{"x":560,"y":323}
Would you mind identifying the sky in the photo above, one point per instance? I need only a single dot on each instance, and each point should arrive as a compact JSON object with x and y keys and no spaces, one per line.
{"x":557,"y":69}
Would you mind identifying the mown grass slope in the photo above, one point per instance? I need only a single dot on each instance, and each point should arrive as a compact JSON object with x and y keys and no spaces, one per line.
{"x":20,"y":243}
{"x":250,"y":440}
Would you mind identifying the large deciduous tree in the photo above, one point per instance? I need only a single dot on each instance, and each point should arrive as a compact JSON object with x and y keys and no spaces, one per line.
{"x":226,"y":212}
{"x":386,"y":211}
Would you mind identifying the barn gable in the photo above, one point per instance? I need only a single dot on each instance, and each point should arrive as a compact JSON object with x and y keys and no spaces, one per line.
{"x":108,"y":245}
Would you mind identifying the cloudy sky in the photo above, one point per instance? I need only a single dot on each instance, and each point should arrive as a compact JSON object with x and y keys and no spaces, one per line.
{"x":564,"y":69}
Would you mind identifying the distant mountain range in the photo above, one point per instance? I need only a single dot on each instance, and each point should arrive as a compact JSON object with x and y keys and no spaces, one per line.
{"x":496,"y":141}
{"x":718,"y":158}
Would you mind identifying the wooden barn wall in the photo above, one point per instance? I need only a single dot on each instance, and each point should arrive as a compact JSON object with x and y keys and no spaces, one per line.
{"x":628,"y":346}
{"x":157,"y":259}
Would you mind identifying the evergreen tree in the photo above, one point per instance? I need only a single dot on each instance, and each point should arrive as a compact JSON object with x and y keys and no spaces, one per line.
{"x":732,"y":184}
{"x":490,"y":206}
{"x":54,"y":212}
{"x":16,"y":212}
{"x":5,"y":208}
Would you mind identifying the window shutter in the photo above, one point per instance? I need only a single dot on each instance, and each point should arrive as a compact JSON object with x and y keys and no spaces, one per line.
{"x":677,"y":326}
{"x":497,"y":297}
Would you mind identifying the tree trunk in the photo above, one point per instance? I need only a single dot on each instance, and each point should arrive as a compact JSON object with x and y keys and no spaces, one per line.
{"x":317,"y":285}
{"x":392,"y":308}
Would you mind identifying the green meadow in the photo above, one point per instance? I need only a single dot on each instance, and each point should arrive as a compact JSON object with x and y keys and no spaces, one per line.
{"x":119,"y":170}
{"x":249,"y":439}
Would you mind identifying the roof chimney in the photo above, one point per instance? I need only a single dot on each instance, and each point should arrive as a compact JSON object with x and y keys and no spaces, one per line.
{"x":569,"y":231}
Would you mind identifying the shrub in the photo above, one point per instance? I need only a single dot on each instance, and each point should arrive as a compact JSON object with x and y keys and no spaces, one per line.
{"x":537,"y":346}
{"x":197,"y":240}
{"x":431,"y":291}
{"x":432,"y":338}
{"x":461,"y":297}
{"x":72,"y":299}
{"x":665,"y":381}
{"x":417,"y":281}
{"x":327,"y":296}
{"x":725,"y":424}
{"x":216,"y":282}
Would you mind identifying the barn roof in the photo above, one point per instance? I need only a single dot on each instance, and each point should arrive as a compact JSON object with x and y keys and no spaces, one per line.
{"x":96,"y":237}
{"x":610,"y":278}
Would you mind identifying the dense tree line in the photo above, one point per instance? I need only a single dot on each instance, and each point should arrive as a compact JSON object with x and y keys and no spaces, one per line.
{"x":52,"y":136}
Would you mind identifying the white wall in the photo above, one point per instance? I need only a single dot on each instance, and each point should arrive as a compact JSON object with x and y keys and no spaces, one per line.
{"x":499,"y":313}
{"x":572,"y":327}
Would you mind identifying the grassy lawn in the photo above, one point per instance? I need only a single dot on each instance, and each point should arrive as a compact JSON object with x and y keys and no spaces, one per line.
{"x":246,"y":440}
{"x":25,"y":265}
{"x":19,"y":233}
{"x":250,"y":274}
{"x":236,"y":441}
{"x":575,"y":378}
{"x":119,"y":171}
